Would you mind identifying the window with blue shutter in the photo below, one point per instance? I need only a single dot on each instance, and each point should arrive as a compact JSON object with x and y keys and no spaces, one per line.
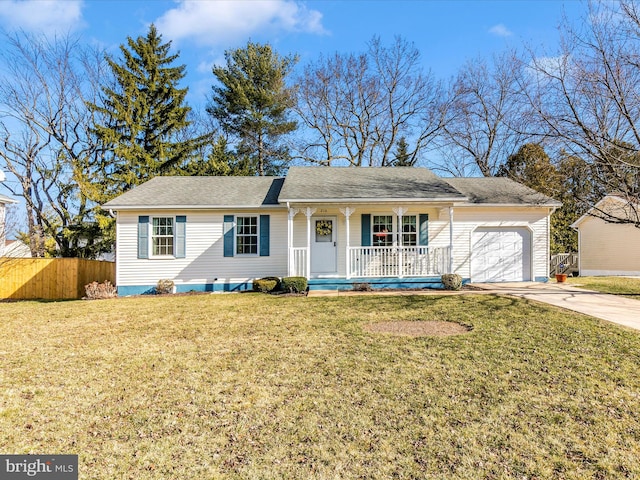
{"x":229,"y":233}
{"x":181,"y":233}
{"x":264,"y":235}
{"x":423,"y":237}
{"x":143,"y":236}
{"x":365,"y":227}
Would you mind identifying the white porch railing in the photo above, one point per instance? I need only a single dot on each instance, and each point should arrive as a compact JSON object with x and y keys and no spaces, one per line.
{"x":299,"y":262}
{"x":398,"y":261}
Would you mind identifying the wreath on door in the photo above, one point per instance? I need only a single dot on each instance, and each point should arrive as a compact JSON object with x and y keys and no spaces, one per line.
{"x":324,"y":227}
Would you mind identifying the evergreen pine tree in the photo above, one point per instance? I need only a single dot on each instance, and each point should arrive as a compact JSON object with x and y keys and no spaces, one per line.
{"x":402,"y":157}
{"x":143,"y":116}
{"x":252,"y":104}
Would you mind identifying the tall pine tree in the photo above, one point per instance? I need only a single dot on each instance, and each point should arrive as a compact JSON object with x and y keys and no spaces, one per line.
{"x":252,"y":105}
{"x":144,"y":117}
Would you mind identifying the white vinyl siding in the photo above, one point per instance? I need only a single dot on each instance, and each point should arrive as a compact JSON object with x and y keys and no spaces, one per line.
{"x":468,"y":219}
{"x":204,"y":261}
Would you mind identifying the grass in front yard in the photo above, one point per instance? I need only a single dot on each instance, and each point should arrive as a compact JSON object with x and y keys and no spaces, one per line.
{"x":629,"y":287}
{"x":256,"y":386}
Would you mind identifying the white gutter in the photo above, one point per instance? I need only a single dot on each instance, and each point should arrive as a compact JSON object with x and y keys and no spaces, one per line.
{"x":191,"y":207}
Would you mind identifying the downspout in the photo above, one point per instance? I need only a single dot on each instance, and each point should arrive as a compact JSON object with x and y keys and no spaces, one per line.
{"x":451,"y":239}
{"x":289,"y":240}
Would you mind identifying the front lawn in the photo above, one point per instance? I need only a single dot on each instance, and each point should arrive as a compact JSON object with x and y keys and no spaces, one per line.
{"x":256,"y":386}
{"x":629,"y":287}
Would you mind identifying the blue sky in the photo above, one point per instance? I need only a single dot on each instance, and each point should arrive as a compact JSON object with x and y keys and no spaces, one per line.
{"x":447,"y":33}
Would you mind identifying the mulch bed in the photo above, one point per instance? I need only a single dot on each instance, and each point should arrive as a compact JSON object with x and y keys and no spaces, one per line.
{"x":418,"y":328}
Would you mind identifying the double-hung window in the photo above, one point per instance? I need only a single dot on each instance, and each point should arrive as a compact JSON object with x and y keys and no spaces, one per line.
{"x":409,"y":231}
{"x":382,"y":230}
{"x":162,"y":235}
{"x":247,"y":236}
{"x":389,"y":230}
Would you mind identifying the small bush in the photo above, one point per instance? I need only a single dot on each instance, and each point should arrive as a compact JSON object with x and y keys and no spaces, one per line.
{"x":294,"y":284}
{"x":451,"y":281}
{"x":266,"y":284}
{"x":164,"y":286}
{"x":362,"y":287}
{"x":96,"y":290}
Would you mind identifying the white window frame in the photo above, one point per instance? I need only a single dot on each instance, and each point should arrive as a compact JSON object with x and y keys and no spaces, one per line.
{"x":237,"y":234}
{"x":396,"y":229}
{"x":392,"y":232}
{"x":403,"y":233}
{"x":152,"y":235}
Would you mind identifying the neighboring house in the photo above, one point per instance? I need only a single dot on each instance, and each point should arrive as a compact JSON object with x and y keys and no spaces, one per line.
{"x":4,"y":200}
{"x":388,"y":227}
{"x":16,"y":249}
{"x":606,"y":248}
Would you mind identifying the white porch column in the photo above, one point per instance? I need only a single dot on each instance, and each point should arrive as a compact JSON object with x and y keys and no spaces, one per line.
{"x":347,"y":211}
{"x":290,"y":260}
{"x":400,"y":211}
{"x":450,"y":239}
{"x":309,"y":212}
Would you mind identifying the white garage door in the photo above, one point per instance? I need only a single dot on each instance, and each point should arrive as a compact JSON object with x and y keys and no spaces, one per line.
{"x":501,"y":255}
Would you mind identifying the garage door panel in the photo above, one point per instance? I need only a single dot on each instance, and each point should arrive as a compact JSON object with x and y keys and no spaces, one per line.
{"x":501,"y":255}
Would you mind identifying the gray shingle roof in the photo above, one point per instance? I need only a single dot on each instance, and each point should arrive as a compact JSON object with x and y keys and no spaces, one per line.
{"x":323,"y":184}
{"x":201,"y":192}
{"x":362,"y":184}
{"x":499,"y":190}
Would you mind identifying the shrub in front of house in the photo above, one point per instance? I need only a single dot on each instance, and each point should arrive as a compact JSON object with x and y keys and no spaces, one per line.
{"x":362,"y":287}
{"x":294,"y":284}
{"x":266,"y":284}
{"x":164,"y":286}
{"x":451,"y":281}
{"x":95,"y":290}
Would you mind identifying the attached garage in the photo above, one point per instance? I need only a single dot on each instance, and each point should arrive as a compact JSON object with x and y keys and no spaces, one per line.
{"x":501,"y":254}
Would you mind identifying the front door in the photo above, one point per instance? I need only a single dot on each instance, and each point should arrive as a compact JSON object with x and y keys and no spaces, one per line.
{"x":323,"y":246}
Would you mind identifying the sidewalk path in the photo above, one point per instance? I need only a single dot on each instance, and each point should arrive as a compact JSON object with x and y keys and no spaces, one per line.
{"x":613,"y":308}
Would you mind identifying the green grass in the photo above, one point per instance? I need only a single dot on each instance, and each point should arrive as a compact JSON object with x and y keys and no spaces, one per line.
{"x":629,"y":287}
{"x":256,"y":386}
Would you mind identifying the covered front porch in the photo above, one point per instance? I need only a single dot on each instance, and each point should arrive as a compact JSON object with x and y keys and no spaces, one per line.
{"x":380,"y":245}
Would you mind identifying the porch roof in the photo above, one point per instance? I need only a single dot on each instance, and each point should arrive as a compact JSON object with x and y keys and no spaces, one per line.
{"x":374,"y":184}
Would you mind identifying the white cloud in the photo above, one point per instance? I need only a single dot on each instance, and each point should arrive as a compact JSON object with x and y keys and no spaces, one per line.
{"x":500,"y":30}
{"x":222,"y":22}
{"x":42,"y":16}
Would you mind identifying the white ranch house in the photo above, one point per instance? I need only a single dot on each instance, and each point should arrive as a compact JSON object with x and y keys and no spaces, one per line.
{"x":389,"y":227}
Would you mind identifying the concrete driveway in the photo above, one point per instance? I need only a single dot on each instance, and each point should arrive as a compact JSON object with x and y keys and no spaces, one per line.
{"x":613,"y":308}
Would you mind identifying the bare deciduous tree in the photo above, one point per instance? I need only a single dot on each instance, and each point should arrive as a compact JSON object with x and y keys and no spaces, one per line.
{"x":356,"y":108}
{"x":587,"y":98}
{"x":45,"y":130}
{"x":487,"y":118}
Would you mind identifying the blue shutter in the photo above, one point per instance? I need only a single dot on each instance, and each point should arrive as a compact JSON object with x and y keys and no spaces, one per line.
{"x":143,"y":236}
{"x":229,"y":233}
{"x":365,"y":227}
{"x":181,"y":234}
{"x":264,"y":235}
{"x":423,"y":229}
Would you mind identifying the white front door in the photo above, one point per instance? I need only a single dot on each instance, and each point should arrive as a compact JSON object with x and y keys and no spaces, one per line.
{"x":323,"y":246}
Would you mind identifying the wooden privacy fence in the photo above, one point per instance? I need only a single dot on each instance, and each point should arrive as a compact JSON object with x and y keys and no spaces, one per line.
{"x":51,"y":278}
